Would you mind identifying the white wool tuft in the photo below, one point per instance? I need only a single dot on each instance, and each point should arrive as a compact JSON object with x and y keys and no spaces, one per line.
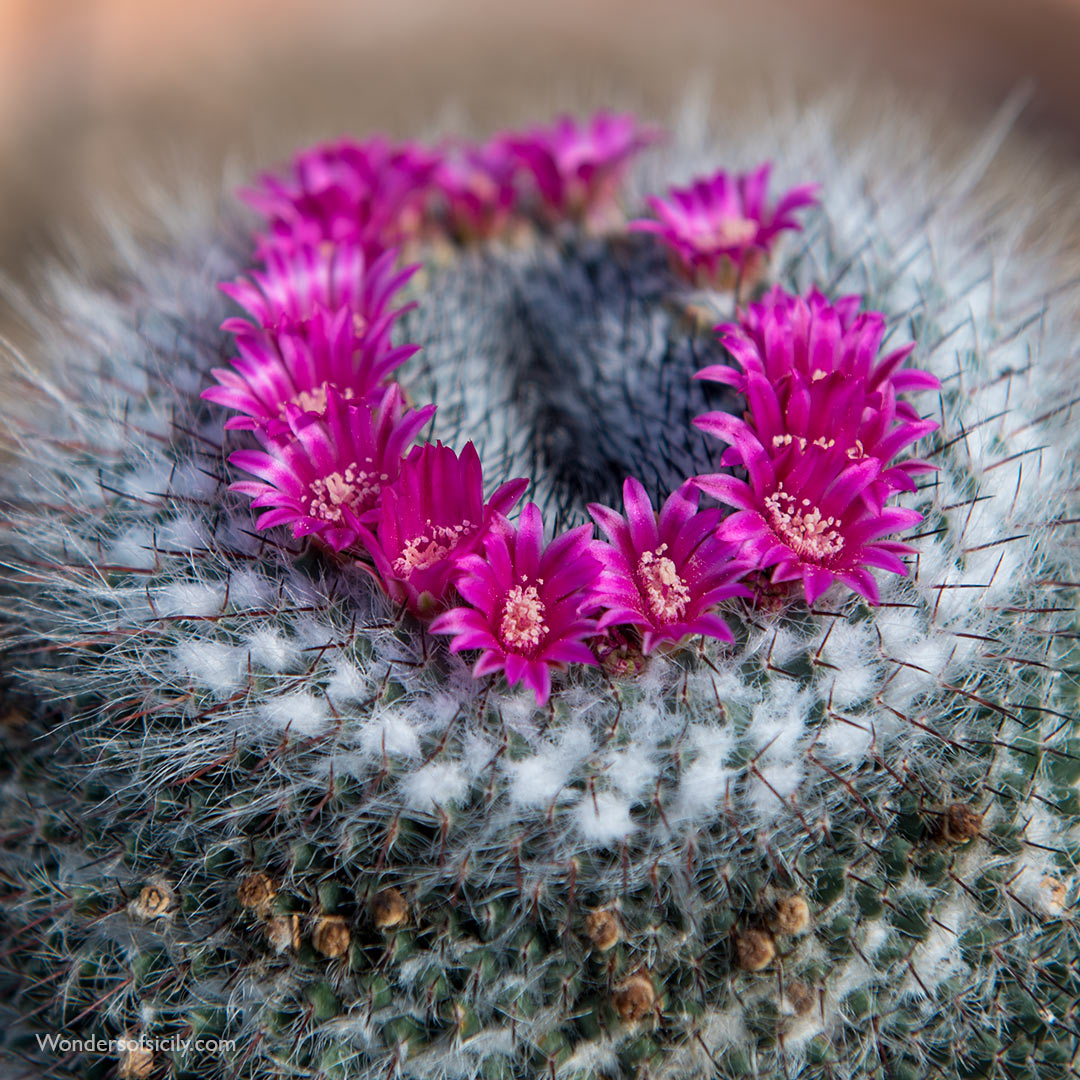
{"x":537,"y":780}
{"x":848,"y":738}
{"x":604,"y":818}
{"x":777,"y":722}
{"x":938,"y":957}
{"x":706,"y":782}
{"x":248,"y":590}
{"x":772,"y":785}
{"x":272,"y":650}
{"x":135,"y":548}
{"x":438,"y":784}
{"x":392,"y":735}
{"x":192,"y":598}
{"x":349,"y":684}
{"x":211,"y":664}
{"x":301,"y":712}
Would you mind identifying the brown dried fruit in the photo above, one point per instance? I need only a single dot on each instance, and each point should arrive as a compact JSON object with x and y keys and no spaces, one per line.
{"x":136,"y":1060}
{"x":283,"y":932}
{"x":602,"y":928}
{"x":634,"y":998}
{"x":153,"y":902}
{"x":388,"y":909}
{"x":791,"y":916}
{"x":755,"y":950}
{"x":800,"y":997}
{"x":960,"y":824}
{"x":331,"y":936}
{"x":1055,"y":895}
{"x":256,"y":892}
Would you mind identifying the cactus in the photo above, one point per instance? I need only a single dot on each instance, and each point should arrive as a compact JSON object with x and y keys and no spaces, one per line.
{"x":249,"y":798}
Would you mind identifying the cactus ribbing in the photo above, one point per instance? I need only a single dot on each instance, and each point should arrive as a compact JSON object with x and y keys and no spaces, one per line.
{"x":253,"y":799}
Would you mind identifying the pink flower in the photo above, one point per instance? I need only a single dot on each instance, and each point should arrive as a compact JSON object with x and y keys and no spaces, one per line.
{"x":811,"y":375}
{"x":327,"y":479}
{"x":810,"y":337}
{"x":474,"y":186}
{"x":369,"y":192}
{"x":807,"y":512}
{"x":297,"y":368}
{"x":662,"y":573}
{"x":297,"y":283}
{"x":723,"y":221}
{"x":430,"y":518}
{"x":578,"y":167}
{"x":524,"y":603}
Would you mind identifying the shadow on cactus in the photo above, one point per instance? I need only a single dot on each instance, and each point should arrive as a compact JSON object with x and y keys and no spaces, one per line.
{"x":468,"y":662}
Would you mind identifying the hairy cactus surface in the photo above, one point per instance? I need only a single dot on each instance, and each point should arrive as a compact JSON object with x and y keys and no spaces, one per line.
{"x":259,"y":821}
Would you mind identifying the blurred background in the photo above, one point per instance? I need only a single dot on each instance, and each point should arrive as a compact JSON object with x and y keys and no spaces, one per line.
{"x":98,"y":95}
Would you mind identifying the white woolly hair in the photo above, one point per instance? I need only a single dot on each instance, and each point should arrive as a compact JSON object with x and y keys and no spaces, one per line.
{"x":237,"y":695}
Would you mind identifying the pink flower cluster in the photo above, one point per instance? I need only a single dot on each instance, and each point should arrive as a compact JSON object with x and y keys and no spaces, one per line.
{"x":312,"y":380}
{"x":378,"y":194}
{"x":822,"y":428}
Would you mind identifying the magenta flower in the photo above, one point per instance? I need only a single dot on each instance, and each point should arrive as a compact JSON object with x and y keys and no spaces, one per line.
{"x":663,"y":573}
{"x":809,"y":336}
{"x":524,"y":603}
{"x":723,"y":222}
{"x":807,"y":513}
{"x":578,"y":167}
{"x":327,"y":479}
{"x":369,"y":192}
{"x":430,"y":518}
{"x":811,"y":375}
{"x":297,"y":283}
{"x":297,"y":368}
{"x":474,"y":187}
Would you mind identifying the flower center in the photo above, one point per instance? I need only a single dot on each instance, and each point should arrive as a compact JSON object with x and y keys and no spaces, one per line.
{"x":354,"y":489}
{"x":423,"y":552}
{"x":477,"y":183}
{"x":803,"y":527}
{"x":523,"y":626}
{"x":800,"y":441}
{"x":314,"y":400}
{"x":665,"y":592}
{"x":730,"y":232}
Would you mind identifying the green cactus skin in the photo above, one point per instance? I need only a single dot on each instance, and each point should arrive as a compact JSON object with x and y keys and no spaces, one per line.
{"x":204,"y":704}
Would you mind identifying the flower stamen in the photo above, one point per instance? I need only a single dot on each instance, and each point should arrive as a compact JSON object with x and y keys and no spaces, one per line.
{"x":430,"y":548}
{"x":666,"y":593}
{"x":523,"y":626}
{"x":354,"y":489}
{"x":732,"y":232}
{"x":803,"y":527}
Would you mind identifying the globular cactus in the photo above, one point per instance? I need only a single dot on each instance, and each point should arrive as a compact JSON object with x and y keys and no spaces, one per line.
{"x":249,"y":797}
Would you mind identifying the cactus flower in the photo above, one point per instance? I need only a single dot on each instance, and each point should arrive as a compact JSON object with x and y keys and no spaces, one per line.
{"x":474,"y":188}
{"x":723,"y":222}
{"x":327,"y":479}
{"x":297,"y":368}
{"x":524,"y":602}
{"x":810,"y":338}
{"x":807,"y":514}
{"x":578,"y":167}
{"x":811,"y":375}
{"x":294,"y":284}
{"x":370,"y":192}
{"x":664,"y":572}
{"x":430,"y":518}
